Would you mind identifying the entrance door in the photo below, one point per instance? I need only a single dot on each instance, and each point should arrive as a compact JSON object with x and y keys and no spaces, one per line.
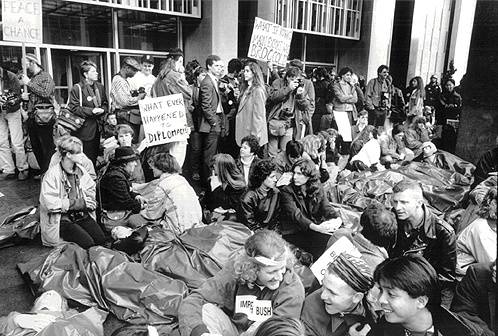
{"x":66,"y":69}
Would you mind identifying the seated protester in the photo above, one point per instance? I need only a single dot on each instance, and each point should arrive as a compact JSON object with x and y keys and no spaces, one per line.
{"x":260,"y":204}
{"x":285,"y":159}
{"x":85,"y":161}
{"x":475,"y":297}
{"x":67,"y":200}
{"x":368,"y":158}
{"x":416,"y":135}
{"x":376,"y":235}
{"x":487,"y":163}
{"x":110,"y":124}
{"x":173,"y":201}
{"x":314,"y":146}
{"x":115,"y":186}
{"x":263,"y":270}
{"x":477,"y":242}
{"x":248,"y":158}
{"x":227,"y":186}
{"x":306,"y":214}
{"x":333,"y":145}
{"x":421,"y":232}
{"x":280,"y":326}
{"x":410,"y":297}
{"x":358,"y":133}
{"x":393,"y":151}
{"x":341,"y":302}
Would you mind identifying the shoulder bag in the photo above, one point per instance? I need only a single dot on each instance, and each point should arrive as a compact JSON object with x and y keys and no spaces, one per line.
{"x":68,"y":119}
{"x":44,"y":114}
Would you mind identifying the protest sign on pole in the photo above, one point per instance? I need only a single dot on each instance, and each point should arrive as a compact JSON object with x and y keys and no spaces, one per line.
{"x":22,"y":21}
{"x":270,"y":42}
{"x":164,"y":119}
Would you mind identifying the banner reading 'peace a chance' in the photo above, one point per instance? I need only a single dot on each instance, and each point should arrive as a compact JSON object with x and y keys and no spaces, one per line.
{"x":270,"y":42}
{"x":164,"y":119}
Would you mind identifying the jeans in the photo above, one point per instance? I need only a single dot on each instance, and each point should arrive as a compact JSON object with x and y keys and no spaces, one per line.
{"x":278,"y":143}
{"x":42,"y":142}
{"x":209,"y":143}
{"x":195,"y":149}
{"x":11,"y":123}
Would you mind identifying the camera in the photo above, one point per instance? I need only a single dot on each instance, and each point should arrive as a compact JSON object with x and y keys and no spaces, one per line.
{"x":11,"y":99}
{"x":135,"y":93}
{"x":300,"y":82}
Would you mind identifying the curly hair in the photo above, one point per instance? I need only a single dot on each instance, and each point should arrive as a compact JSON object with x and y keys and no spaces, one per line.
{"x":263,"y":243}
{"x":260,"y":172}
{"x":308,"y":169}
{"x":252,"y":142}
{"x":487,"y":209}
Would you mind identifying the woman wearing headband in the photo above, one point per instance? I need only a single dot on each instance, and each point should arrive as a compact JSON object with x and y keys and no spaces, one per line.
{"x":260,"y":284}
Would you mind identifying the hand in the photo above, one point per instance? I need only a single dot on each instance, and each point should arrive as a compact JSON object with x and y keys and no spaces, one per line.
{"x":36,"y":322}
{"x":353,"y":330}
{"x":300,"y":90}
{"x":142,"y":200}
{"x":141,"y":95}
{"x":293,"y":84}
{"x":24,"y":79}
{"x":25,"y":96}
{"x":97,"y":110}
{"x":331,"y":225}
{"x":236,"y":92}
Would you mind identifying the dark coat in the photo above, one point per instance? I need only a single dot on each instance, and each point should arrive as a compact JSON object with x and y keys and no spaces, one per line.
{"x":11,"y":83}
{"x":260,"y":210}
{"x":299,"y":211}
{"x":475,"y":297}
{"x":435,"y":241}
{"x":93,"y":122}
{"x":228,"y":198}
{"x":115,"y":191}
{"x":251,"y":168}
{"x":209,"y":99}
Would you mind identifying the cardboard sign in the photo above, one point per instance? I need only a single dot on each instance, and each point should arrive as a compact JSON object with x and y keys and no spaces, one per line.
{"x":22,"y":21}
{"x":343,"y":244}
{"x":270,"y":42}
{"x":255,"y":310}
{"x":164,"y":119}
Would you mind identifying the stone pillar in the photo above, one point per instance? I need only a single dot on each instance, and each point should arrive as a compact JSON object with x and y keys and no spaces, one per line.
{"x":216,"y":33}
{"x":381,"y":35}
{"x":461,"y":34}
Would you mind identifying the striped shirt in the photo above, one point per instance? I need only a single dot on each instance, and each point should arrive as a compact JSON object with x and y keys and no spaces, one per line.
{"x":120,"y":93}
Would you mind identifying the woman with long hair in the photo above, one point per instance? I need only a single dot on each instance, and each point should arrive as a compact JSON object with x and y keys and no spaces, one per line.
{"x":227,"y":185}
{"x":306,"y":214}
{"x":415,"y":96}
{"x":251,"y":113}
{"x":261,"y":275}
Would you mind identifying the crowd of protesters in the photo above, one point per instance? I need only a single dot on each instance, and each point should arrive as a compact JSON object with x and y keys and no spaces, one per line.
{"x":262,"y":145}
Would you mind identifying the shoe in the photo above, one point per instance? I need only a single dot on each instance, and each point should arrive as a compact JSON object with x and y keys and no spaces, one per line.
{"x":38,"y":177}
{"x":10,"y":176}
{"x":23,"y":175}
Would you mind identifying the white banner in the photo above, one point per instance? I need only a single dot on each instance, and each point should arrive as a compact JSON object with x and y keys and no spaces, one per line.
{"x":256,"y":310}
{"x":164,"y":119}
{"x":343,"y":125}
{"x":270,"y":42}
{"x":22,"y":21}
{"x":343,"y":244}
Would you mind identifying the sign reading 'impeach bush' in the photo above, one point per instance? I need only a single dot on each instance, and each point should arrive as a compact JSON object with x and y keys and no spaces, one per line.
{"x":164,"y":119}
{"x":270,"y":42}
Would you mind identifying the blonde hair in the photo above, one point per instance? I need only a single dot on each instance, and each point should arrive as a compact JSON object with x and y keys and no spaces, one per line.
{"x":69,"y":144}
{"x":312,"y":145}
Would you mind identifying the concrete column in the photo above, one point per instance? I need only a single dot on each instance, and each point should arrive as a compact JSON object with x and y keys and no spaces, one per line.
{"x":461,"y":34}
{"x":266,"y":10}
{"x":216,"y":33}
{"x":381,"y":35}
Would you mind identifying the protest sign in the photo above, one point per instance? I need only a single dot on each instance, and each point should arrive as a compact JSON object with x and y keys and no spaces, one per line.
{"x":256,"y":310}
{"x":343,"y":125}
{"x":22,"y":21}
{"x":342,"y":245}
{"x":164,"y":119}
{"x":270,"y":42}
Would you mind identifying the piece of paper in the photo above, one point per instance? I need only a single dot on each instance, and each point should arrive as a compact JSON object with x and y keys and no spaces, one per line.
{"x":255,"y":310}
{"x":343,"y":125}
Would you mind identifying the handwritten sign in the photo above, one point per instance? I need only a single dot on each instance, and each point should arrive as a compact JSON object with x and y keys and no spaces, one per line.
{"x":256,"y":310}
{"x":164,"y":119}
{"x":270,"y":42}
{"x":343,"y":244}
{"x":22,"y":21}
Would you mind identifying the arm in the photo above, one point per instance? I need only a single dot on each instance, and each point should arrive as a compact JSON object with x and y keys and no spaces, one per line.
{"x":74,"y":103}
{"x":326,"y":210}
{"x":447,"y":256}
{"x":50,"y":193}
{"x":342,"y":97}
{"x":292,"y":211}
{"x":206,"y":97}
{"x":120,"y":194}
{"x":259,"y":112}
{"x":369,"y":95}
{"x":42,"y":85}
{"x":120,"y":92}
{"x":249,"y":204}
{"x":279,"y":92}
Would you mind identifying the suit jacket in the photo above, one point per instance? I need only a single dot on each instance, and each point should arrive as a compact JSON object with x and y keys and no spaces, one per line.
{"x":209,"y":98}
{"x":251,"y":116}
{"x":92,"y":121}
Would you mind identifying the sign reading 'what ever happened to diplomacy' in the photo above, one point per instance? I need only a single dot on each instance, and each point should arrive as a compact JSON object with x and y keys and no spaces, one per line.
{"x":22,"y":21}
{"x":164,"y":119}
{"x":270,"y":42}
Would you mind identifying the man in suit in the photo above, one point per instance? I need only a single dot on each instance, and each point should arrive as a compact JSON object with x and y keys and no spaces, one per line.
{"x":212,"y":111}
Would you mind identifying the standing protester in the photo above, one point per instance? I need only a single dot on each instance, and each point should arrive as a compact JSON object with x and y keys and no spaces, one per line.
{"x":144,"y":78}
{"x":40,"y":91}
{"x":11,"y":127}
{"x":345,"y":98}
{"x":415,"y":95}
{"x":195,"y":144}
{"x":451,"y":106}
{"x":377,"y":88}
{"x":124,"y":100}
{"x":432,"y":93}
{"x":88,"y":99}
{"x":212,"y":113}
{"x":421,"y":232}
{"x":251,"y":113}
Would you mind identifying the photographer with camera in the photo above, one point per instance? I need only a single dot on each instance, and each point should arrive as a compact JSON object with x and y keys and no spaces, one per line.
{"x":124,"y":99}
{"x":11,"y":124}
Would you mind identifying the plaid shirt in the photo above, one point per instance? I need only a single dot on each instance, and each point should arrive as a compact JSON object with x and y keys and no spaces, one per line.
{"x":41,"y":89}
{"x":120,"y":93}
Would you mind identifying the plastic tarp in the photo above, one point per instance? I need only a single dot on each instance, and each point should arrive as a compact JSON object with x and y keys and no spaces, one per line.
{"x":197,"y":254}
{"x":23,"y":224}
{"x":108,"y":279}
